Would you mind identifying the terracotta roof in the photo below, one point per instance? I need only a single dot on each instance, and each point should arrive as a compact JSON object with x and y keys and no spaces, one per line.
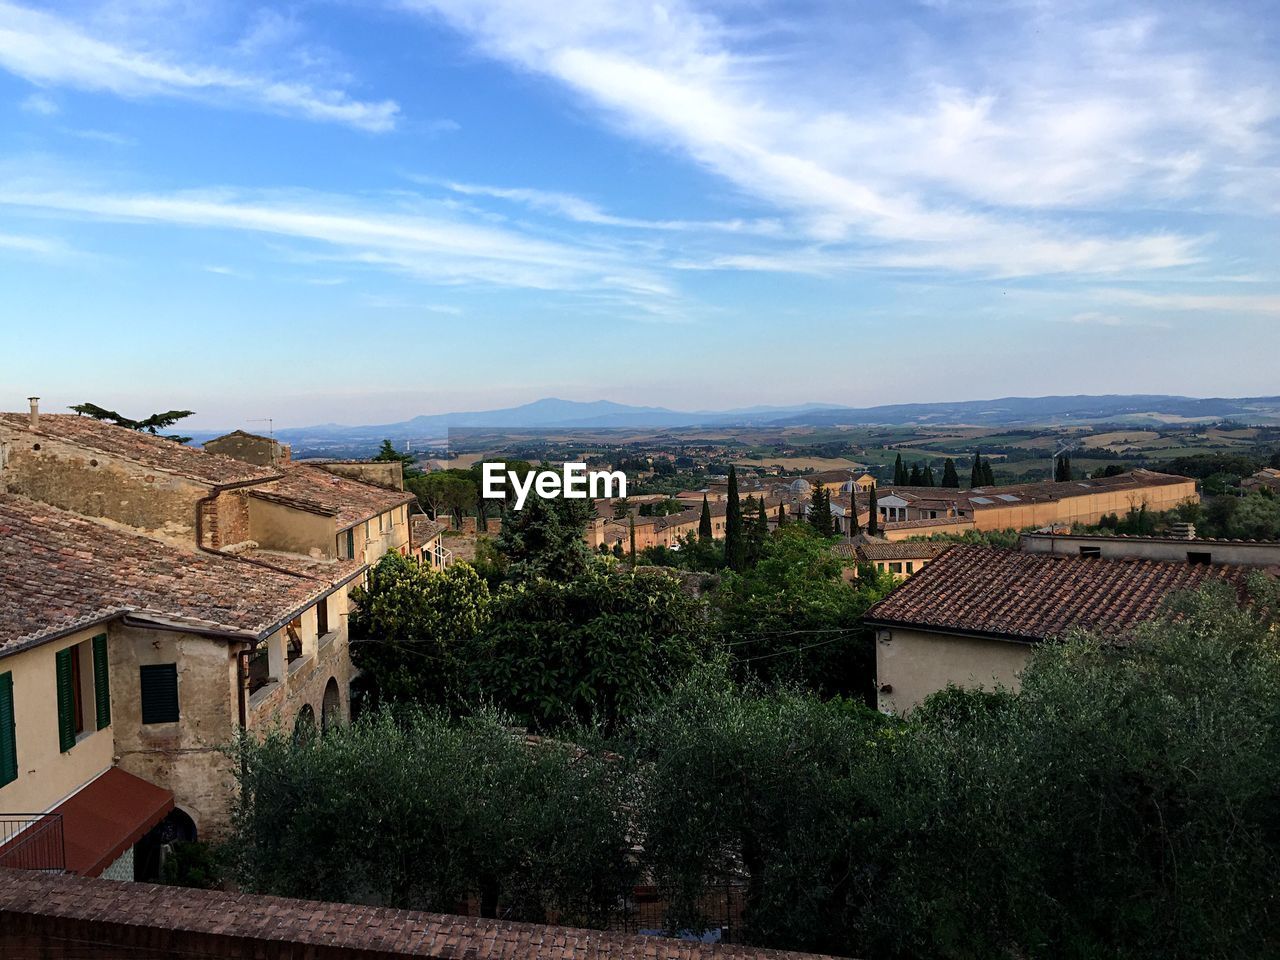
{"x":153,"y":452}
{"x":315,"y":490}
{"x":1031,"y":596}
{"x":926,"y":522}
{"x":422,"y":530}
{"x":108,"y":816}
{"x":142,"y":919}
{"x":901,"y":550}
{"x":60,"y":571}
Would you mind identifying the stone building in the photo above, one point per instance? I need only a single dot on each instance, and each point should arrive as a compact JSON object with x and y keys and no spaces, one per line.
{"x":155,"y":600}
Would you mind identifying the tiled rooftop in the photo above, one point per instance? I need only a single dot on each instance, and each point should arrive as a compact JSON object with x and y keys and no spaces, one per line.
{"x":153,"y":452}
{"x":424,"y":530}
{"x":1031,"y":596}
{"x":318,"y":491}
{"x":59,"y":571}
{"x":171,"y":921}
{"x":901,"y":550}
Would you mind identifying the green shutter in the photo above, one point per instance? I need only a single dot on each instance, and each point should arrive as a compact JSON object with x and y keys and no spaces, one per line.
{"x":159,"y":683}
{"x":66,"y":702}
{"x":8,"y":736}
{"x":101,"y":681}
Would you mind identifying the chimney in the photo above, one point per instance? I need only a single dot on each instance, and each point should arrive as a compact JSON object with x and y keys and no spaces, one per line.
{"x":35,"y":412}
{"x":1183,"y":531}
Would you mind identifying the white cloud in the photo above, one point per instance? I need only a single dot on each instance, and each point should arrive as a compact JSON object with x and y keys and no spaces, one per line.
{"x":52,"y":51}
{"x":40,"y":103}
{"x":1095,"y":319}
{"x":925,"y":151}
{"x":39,"y":246}
{"x":1265,"y":304}
{"x":431,"y":248}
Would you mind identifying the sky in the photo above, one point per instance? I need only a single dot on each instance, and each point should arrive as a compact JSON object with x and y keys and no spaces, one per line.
{"x":360,"y":212}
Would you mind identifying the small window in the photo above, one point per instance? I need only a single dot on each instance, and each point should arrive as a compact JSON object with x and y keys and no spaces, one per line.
{"x":895,"y":568}
{"x":1200,"y":559}
{"x":159,"y":683}
{"x":910,"y":567}
{"x":68,"y":684}
{"x":293,"y":638}
{"x":322,"y":617}
{"x":1091,"y":552}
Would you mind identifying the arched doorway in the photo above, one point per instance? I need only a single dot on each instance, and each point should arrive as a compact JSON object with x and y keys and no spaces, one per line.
{"x":157,"y":846}
{"x":331,"y":706}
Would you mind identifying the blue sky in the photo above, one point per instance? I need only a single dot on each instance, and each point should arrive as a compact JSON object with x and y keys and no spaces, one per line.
{"x":359,"y":212}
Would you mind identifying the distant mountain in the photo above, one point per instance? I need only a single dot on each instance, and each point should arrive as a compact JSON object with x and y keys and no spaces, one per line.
{"x":555,"y":414}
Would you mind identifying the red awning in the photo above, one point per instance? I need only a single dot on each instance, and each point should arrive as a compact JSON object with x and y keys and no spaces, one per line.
{"x":107,"y":817}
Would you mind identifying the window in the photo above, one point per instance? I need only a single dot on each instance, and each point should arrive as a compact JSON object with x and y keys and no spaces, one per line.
{"x":8,"y":739}
{"x":159,"y":682}
{"x":351,"y":544}
{"x":322,"y":617}
{"x":101,"y":682}
{"x":70,"y":708}
{"x":1092,"y":553}
{"x":895,"y":568}
{"x":910,"y":567}
{"x":1200,"y":559}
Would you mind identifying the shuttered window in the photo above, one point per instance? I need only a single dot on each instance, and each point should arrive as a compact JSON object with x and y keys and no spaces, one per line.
{"x":101,"y":681}
{"x":8,"y":737}
{"x":66,"y":692}
{"x":159,"y":692}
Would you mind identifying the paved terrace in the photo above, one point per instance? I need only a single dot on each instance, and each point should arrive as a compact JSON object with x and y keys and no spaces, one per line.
{"x":54,"y":917}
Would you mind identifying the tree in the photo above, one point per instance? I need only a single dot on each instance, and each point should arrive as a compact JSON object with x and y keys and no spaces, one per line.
{"x":1062,"y":469}
{"x":820,"y":517}
{"x":792,"y":618}
{"x":1256,"y":517}
{"x":914,"y":479}
{"x":704,"y":520}
{"x":854,"y":526}
{"x":152,"y":424}
{"x":387,"y":453}
{"x":900,"y":476}
{"x":413,"y":629}
{"x":594,"y":649}
{"x":444,"y":491}
{"x":950,"y":478}
{"x":757,"y":533}
{"x":735,"y":549}
{"x":873,"y":519}
{"x":760,"y":785}
{"x":928,"y":478}
{"x":413,"y":810}
{"x":976,"y":476}
{"x":545,"y":539}
{"x":633,"y":542}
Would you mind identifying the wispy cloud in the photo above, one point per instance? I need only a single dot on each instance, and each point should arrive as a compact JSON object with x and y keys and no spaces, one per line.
{"x":1095,"y":319}
{"x":40,"y":103}
{"x":344,"y":230}
{"x":54,"y":51}
{"x":1265,"y":304}
{"x":39,"y":246}
{"x":919,"y":156}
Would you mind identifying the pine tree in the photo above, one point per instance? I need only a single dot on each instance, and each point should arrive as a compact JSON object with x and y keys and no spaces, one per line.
{"x":873,"y":521}
{"x":704,"y":521}
{"x":949,"y":476}
{"x":735,"y":548}
{"x":820,"y":511}
{"x":928,"y":477}
{"x":899,"y":472}
{"x":975,"y":475}
{"x":915,"y":480}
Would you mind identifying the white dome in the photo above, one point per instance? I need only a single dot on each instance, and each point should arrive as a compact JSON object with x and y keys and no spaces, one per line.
{"x":800,"y":486}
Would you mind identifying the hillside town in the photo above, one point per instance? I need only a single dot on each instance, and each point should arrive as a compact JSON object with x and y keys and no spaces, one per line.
{"x":164,"y":607}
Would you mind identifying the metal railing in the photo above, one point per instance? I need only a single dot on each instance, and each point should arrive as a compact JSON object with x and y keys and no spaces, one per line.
{"x":32,"y":841}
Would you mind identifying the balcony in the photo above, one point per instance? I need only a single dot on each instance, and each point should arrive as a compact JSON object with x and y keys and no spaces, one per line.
{"x":32,"y":841}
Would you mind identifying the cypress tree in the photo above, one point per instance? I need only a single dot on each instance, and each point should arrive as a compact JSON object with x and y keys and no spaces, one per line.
{"x":782,"y":513}
{"x":975,"y":475}
{"x":854,"y":526}
{"x":915,"y":480}
{"x":633,"y":542}
{"x":704,"y":521}
{"x":820,"y":511}
{"x":757,"y":531}
{"x":873,"y":521}
{"x":899,"y":472}
{"x":928,"y":478}
{"x":949,"y":476}
{"x":988,"y":475}
{"x":735,"y":548}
